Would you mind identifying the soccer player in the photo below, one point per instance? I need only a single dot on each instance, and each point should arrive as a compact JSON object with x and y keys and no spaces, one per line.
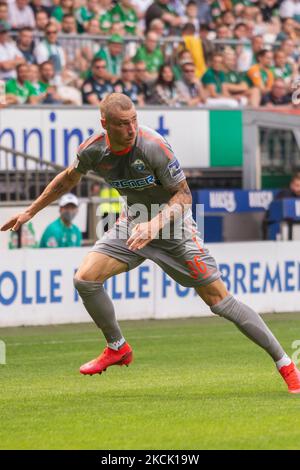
{"x":142,"y":166}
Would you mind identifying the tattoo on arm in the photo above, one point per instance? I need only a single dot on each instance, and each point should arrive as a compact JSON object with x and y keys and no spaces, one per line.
{"x":179,"y":203}
{"x":60,"y":185}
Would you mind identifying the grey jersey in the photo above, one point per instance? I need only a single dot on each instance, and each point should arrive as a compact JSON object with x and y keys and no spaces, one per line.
{"x":143,"y":174}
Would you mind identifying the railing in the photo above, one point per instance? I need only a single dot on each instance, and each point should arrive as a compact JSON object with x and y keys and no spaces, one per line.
{"x":73,"y":42}
{"x":24,"y":177}
{"x":102,"y":39}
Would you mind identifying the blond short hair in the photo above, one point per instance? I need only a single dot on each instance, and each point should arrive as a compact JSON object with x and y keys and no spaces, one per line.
{"x":114,"y":103}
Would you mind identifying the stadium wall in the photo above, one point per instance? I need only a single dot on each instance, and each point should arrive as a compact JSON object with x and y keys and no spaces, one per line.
{"x":199,"y":137}
{"x":36,"y":285}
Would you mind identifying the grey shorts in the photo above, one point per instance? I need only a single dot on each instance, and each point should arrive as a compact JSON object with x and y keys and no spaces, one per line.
{"x":185,"y":260}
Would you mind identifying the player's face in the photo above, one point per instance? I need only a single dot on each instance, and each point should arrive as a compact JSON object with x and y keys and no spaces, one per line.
{"x":122,"y":128}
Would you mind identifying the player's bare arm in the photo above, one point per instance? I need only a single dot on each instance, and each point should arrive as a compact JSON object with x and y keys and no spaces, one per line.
{"x":180,"y":201}
{"x":61,"y":184}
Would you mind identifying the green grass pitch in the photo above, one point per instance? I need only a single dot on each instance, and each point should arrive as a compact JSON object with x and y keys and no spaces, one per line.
{"x":194,"y":384}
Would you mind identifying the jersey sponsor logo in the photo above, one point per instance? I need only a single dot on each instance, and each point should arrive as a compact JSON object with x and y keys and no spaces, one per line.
{"x":135,"y":184}
{"x":138,"y":165}
{"x":174,"y":168}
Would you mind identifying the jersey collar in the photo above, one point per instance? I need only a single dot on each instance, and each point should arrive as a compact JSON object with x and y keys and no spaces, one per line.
{"x":121,"y":152}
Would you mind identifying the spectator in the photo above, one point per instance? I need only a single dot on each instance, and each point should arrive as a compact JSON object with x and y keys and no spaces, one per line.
{"x":127,"y":84}
{"x":178,"y":7}
{"x":260,"y":75}
{"x":289,"y":48}
{"x":68,"y":24}
{"x":69,"y":27}
{"x":21,"y":15}
{"x":283,"y":69}
{"x":191,"y":15}
{"x":93,"y":27}
{"x":19,"y":90}
{"x":157,"y":26}
{"x":207,"y":45}
{"x":86,"y":13}
{"x":39,"y":5}
{"x":189,"y":88}
{"x":63,"y":233}
{"x":269,"y":10}
{"x":247,"y":56}
{"x":95,"y":189}
{"x":49,"y":49}
{"x":183,"y":57}
{"x":240,"y":32}
{"x":235,"y":82}
{"x":222,"y":34}
{"x":97,"y":87}
{"x":290,"y":9}
{"x":165,"y":90}
{"x":278,"y":95}
{"x":10,"y":56}
{"x":65,"y":7}
{"x":34,"y":78}
{"x":213,"y":81}
{"x":217,"y":9}
{"x":287,"y":30}
{"x":4,"y":13}
{"x":141,"y":80}
{"x":150,"y":53}
{"x":42,"y":20}
{"x":109,"y":211}
{"x":25,"y":44}
{"x":124,"y":13}
{"x":113,"y":56}
{"x":228,"y":19}
{"x":162,"y":9}
{"x":294,"y":188}
{"x":117,"y":28}
{"x":204,"y":13}
{"x":48,"y":93}
{"x":85,"y":54}
{"x":193,"y":44}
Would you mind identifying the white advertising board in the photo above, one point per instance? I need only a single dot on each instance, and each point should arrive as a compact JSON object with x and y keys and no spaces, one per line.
{"x":55,"y":134}
{"x":36,"y":286}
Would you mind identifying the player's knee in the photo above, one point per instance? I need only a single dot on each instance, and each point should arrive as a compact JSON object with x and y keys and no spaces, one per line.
{"x":83,"y":276}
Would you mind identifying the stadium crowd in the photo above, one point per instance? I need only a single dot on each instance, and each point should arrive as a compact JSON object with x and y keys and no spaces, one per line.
{"x":163,"y":52}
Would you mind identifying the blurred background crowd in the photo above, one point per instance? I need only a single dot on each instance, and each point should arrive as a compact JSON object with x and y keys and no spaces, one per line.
{"x":192,"y":53}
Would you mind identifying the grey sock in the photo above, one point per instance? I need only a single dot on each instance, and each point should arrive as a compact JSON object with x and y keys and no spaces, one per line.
{"x":100,"y":307}
{"x":250,"y":323}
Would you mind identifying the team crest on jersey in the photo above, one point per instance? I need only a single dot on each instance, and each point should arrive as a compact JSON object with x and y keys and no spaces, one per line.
{"x":138,"y":165}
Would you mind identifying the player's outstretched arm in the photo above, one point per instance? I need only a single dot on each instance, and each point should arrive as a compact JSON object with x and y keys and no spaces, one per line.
{"x":61,"y":184}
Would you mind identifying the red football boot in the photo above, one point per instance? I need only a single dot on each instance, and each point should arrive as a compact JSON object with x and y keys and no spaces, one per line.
{"x":291,"y":376}
{"x":108,"y":358}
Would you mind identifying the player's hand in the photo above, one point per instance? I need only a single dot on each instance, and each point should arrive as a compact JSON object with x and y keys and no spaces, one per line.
{"x":142,"y":234}
{"x":15,"y":222}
